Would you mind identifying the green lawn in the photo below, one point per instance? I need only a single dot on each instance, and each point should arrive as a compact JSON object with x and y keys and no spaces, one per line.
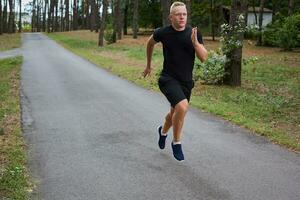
{"x":10,"y":41}
{"x":13,"y":172}
{"x":267,"y":102}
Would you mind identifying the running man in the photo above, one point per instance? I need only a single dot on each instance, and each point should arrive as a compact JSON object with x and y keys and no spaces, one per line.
{"x":180,"y":44}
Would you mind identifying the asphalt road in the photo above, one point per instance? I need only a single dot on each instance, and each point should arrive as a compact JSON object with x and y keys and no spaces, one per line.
{"x":10,"y":53}
{"x":92,"y":135}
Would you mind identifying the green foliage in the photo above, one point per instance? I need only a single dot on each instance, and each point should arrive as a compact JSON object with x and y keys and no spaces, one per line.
{"x":230,"y":35}
{"x":212,"y":70}
{"x":270,"y":34}
{"x":109,"y":36}
{"x":251,"y":32}
{"x":289,"y":35}
{"x":284,"y":32}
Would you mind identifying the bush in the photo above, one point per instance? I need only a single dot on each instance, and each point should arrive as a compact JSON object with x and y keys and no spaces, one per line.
{"x":270,"y":34}
{"x":284,"y":33}
{"x":212,"y":70}
{"x":289,"y":35}
{"x":251,"y":32}
{"x":110,"y":36}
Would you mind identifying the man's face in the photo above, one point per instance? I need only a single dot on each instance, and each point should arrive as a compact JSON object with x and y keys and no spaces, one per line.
{"x":178,"y":17}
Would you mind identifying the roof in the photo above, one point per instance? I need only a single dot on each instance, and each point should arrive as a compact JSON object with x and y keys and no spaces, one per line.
{"x":250,"y":9}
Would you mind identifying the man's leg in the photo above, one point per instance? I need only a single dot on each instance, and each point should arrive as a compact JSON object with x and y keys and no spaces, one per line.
{"x":168,"y":121}
{"x":178,"y":118}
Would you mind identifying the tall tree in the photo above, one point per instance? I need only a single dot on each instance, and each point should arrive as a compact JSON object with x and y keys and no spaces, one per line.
{"x":117,"y":19}
{"x":103,"y":22}
{"x":11,"y":18}
{"x":98,"y":18}
{"x":261,"y":14}
{"x":291,"y":7}
{"x":62,"y":24}
{"x":1,"y":21}
{"x":67,"y":17}
{"x":44,"y":6}
{"x":4,"y":18}
{"x":38,"y":15}
{"x":56,"y":25}
{"x":33,"y":18}
{"x":125,"y":24}
{"x":93,"y":15}
{"x":75,"y":14}
{"x":233,"y":66}
{"x":212,"y":19}
{"x":254,"y":10}
{"x":20,"y":16}
{"x":188,"y":4}
{"x":165,"y":6}
{"x":135,"y":18}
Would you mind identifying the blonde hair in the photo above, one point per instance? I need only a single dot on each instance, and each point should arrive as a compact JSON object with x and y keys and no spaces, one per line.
{"x":175,"y":4}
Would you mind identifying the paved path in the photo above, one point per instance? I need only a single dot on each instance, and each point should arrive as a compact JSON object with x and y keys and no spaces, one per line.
{"x":10,"y":53}
{"x":92,"y":135}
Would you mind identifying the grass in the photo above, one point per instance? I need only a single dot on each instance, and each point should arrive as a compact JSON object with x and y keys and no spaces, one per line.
{"x":10,"y":41}
{"x":13,"y":172}
{"x":268,"y":102}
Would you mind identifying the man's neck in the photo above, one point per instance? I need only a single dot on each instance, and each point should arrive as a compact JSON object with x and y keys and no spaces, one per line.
{"x":178,"y":29}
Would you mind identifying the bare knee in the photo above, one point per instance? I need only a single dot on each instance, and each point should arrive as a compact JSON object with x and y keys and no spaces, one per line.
{"x":182,"y":106}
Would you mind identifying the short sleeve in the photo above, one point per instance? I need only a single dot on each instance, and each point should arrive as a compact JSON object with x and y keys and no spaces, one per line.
{"x":199,"y":36}
{"x":157,"y":35}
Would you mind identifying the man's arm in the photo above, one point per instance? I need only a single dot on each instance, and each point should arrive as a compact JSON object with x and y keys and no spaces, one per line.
{"x":150,"y":46}
{"x":200,"y":50}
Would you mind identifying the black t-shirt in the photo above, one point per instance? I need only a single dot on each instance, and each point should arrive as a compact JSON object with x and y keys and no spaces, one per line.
{"x":178,"y":50}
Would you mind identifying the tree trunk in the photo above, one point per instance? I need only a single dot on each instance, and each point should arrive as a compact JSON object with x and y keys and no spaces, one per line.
{"x":254,"y":11}
{"x":1,"y":18}
{"x":44,"y":15}
{"x":212,"y":19}
{"x":165,"y":6}
{"x":67,"y":20}
{"x":125,"y":24}
{"x":20,"y":16}
{"x":189,"y":11}
{"x":117,"y":19}
{"x":93,"y":15}
{"x":98,"y":18}
{"x":135,"y":19}
{"x":233,"y":66}
{"x":38,"y":19}
{"x":75,"y":15}
{"x":11,"y":17}
{"x":33,"y":18}
{"x":4,"y":18}
{"x":261,"y":12}
{"x":56,"y":16}
{"x":87,"y":14}
{"x":103,"y":22}
{"x":62,"y":24}
{"x":291,"y":7}
{"x":50,"y":16}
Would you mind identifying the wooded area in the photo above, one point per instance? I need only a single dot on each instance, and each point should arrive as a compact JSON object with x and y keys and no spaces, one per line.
{"x":111,"y":19}
{"x":67,"y":15}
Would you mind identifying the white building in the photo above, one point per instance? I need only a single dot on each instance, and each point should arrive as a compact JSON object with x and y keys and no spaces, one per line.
{"x":267,"y":15}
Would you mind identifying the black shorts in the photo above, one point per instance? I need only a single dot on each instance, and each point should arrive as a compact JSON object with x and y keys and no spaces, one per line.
{"x":175,"y":90}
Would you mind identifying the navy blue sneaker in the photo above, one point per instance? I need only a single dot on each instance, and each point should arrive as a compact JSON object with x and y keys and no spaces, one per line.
{"x":162,"y":139}
{"x":177,"y":151}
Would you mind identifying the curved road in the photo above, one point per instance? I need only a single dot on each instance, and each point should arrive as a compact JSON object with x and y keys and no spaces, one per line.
{"x":92,"y":135}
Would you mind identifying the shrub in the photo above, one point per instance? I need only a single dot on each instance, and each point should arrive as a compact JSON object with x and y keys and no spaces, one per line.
{"x":270,"y":34}
{"x":251,"y":31}
{"x":212,"y":70}
{"x":289,"y":35}
{"x":110,"y":36}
